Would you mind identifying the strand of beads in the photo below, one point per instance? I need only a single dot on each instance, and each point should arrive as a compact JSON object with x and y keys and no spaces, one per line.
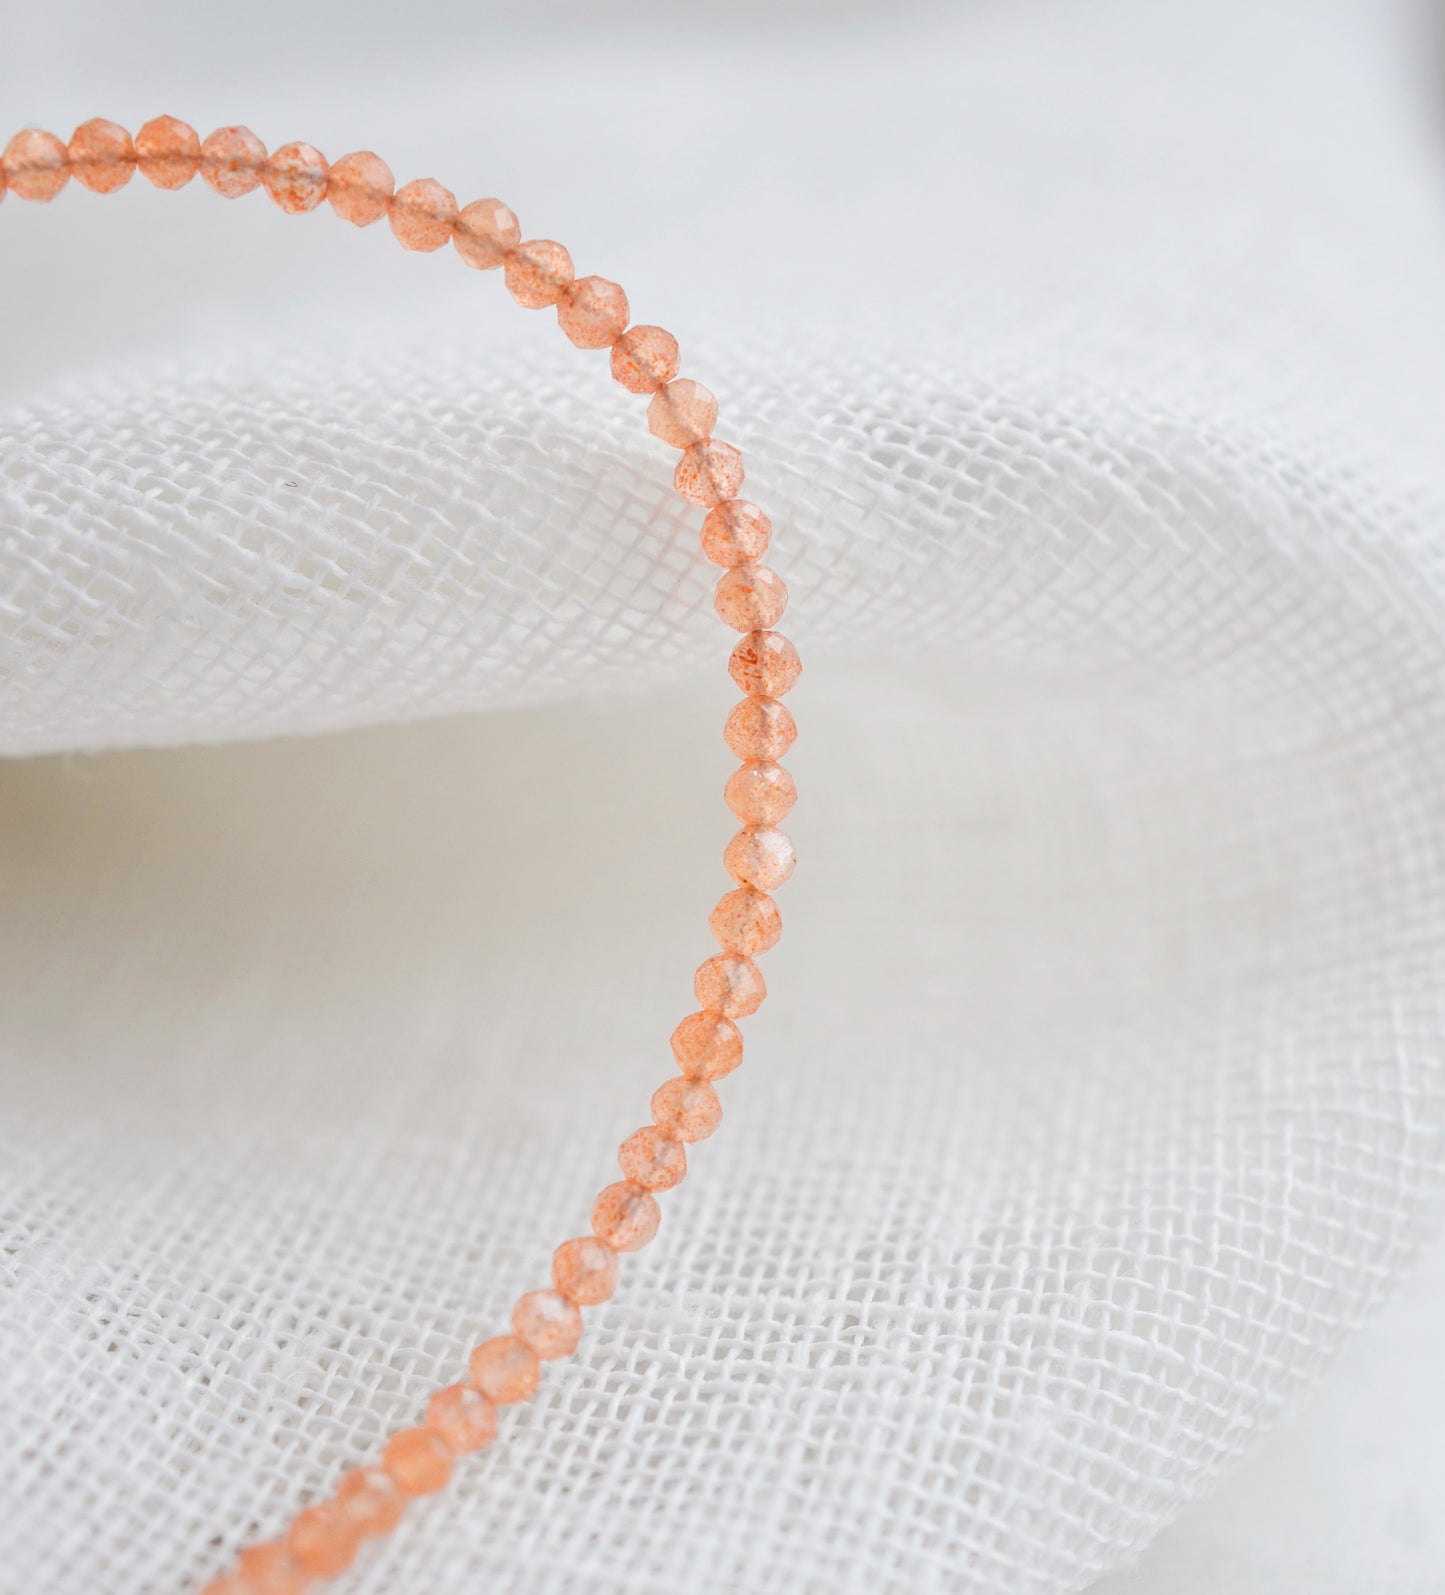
{"x":593,"y":312}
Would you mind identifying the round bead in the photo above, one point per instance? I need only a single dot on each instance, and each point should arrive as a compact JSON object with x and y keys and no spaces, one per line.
{"x":760,"y":728}
{"x":729,"y":984}
{"x":36,"y":165}
{"x":593,"y":312}
{"x":760,"y":856}
{"x":765,"y":664}
{"x":683,"y":412}
{"x":486,"y":233}
{"x":102,"y":157}
{"x":231,"y":161}
{"x":360,"y":187}
{"x":505,"y":1368}
{"x":746,"y":921}
{"x":549,"y":1323}
{"x":687,"y":1110}
{"x":751,"y":598}
{"x":370,"y":1501}
{"x":625,"y":1217}
{"x":296,"y":177}
{"x":418,"y":1461}
{"x":760,"y":793}
{"x":643,"y":358}
{"x":585,"y":1270}
{"x":735,"y":533}
{"x":707,"y":1046}
{"x":463,"y":1417}
{"x":323,"y":1540}
{"x":537,"y":273}
{"x":271,"y":1570}
{"x":709,"y":472}
{"x":168,"y":152}
{"x":423,"y":215}
{"x":652,"y":1160}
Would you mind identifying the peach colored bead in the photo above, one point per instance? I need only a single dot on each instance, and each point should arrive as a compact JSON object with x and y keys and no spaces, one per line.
{"x":760,"y":793}
{"x":423,"y":215}
{"x":549,"y":1323}
{"x":765,"y":664}
{"x":102,"y":156}
{"x":370,"y":1501}
{"x":687,"y":1110}
{"x":709,"y":472}
{"x":463,"y":1417}
{"x":746,"y":921}
{"x":537,"y":273}
{"x":683,"y":412}
{"x":652,"y":1160}
{"x":729,"y":984}
{"x":271,"y":1570}
{"x":760,"y":856}
{"x":418,"y":1461}
{"x":295,"y":177}
{"x":360,"y":187}
{"x":735,"y":533}
{"x":751,"y":598}
{"x":231,"y":161}
{"x":168,"y":152}
{"x":625,"y":1217}
{"x":36,"y":165}
{"x":707,"y":1046}
{"x":585,"y":1270}
{"x":505,"y":1369}
{"x":486,"y":233}
{"x":592,"y":312}
{"x":760,"y":728}
{"x":323,"y":1540}
{"x":643,"y":358}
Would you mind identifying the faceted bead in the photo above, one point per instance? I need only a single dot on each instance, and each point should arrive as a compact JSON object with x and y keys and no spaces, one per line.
{"x":168,"y":152}
{"x":709,"y":472}
{"x":370,"y":1501}
{"x":760,"y":856}
{"x":102,"y":157}
{"x":549,"y":1323}
{"x":505,"y":1368}
{"x":746,"y":921}
{"x":36,"y":165}
{"x":760,"y":793}
{"x":643,"y":358}
{"x":486,"y":233}
{"x":735,"y":533}
{"x":585,"y":1270}
{"x":593,"y":312}
{"x":625,"y":1217}
{"x":360,"y":187}
{"x":687,"y":1110}
{"x":652,"y":1160}
{"x":232,"y":159}
{"x":729,"y":984}
{"x":271,"y":1570}
{"x":707,"y":1046}
{"x":751,"y":598}
{"x":323,"y":1540}
{"x":760,"y":728}
{"x":296,"y":177}
{"x":419,"y":1461}
{"x":537,"y":273}
{"x":683,"y":412}
{"x":463,"y":1417}
{"x":423,"y":215}
{"x":765,"y":664}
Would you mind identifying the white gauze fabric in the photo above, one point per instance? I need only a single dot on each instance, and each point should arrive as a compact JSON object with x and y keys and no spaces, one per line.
{"x":1090,"y":363}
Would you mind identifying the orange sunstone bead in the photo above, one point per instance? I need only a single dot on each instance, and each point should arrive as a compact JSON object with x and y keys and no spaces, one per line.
{"x":683,"y":412}
{"x":464,"y":1418}
{"x":652,"y":1160}
{"x":36,"y":165}
{"x":735,"y":533}
{"x":423,"y":215}
{"x":585,"y":1270}
{"x":418,"y":1461}
{"x":765,"y":664}
{"x":687,"y":1110}
{"x":643,"y":358}
{"x":505,"y":1369}
{"x":549,"y":1323}
{"x":730,"y":984}
{"x":709,"y":472}
{"x":102,"y":157}
{"x":232,"y":159}
{"x":537,"y":273}
{"x":625,"y":1217}
{"x":168,"y":152}
{"x":746,"y":921}
{"x":360,"y":187}
{"x":323,"y":1540}
{"x":296,"y":176}
{"x":760,"y":793}
{"x":271,"y":1570}
{"x":707,"y":1046}
{"x":751,"y":597}
{"x":370,"y":1500}
{"x":487,"y":232}
{"x":592,"y":312}
{"x":760,"y":728}
{"x":760,"y":856}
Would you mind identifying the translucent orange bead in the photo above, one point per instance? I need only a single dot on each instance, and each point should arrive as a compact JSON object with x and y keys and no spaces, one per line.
{"x":746,"y":921}
{"x":585,"y":1270}
{"x":370,"y":1501}
{"x":418,"y":1461}
{"x":751,"y":598}
{"x":686,"y":1110}
{"x":486,"y":233}
{"x":168,"y":152}
{"x":360,"y":187}
{"x":735,"y":533}
{"x":707,"y":1046}
{"x":683,"y":412}
{"x":729,"y":984}
{"x":296,"y":176}
{"x":760,"y":793}
{"x":760,"y":728}
{"x":549,"y":1323}
{"x":643,"y":358}
{"x":760,"y":856}
{"x":464,"y":1418}
{"x":231,"y":161}
{"x":102,"y":157}
{"x":625,"y":1217}
{"x":709,"y":472}
{"x":323,"y":1540}
{"x":505,"y":1369}
{"x":652,"y":1160}
{"x":271,"y":1570}
{"x":423,"y":215}
{"x":537,"y":273}
{"x":592,"y":312}
{"x":765,"y":664}
{"x":36,"y":165}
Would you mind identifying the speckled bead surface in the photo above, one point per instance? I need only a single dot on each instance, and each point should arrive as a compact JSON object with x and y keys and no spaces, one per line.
{"x":537,"y":273}
{"x":296,"y":177}
{"x":760,"y":728}
{"x":102,"y":156}
{"x":729,"y":984}
{"x":686,"y":1110}
{"x":585,"y":1270}
{"x":760,"y":792}
{"x":549,"y":1323}
{"x":765,"y":664}
{"x":750,"y":598}
{"x":735,"y":533}
{"x":761,"y":856}
{"x":168,"y":152}
{"x":682,"y":413}
{"x":505,"y":1369}
{"x":360,"y":188}
{"x":592,"y":312}
{"x":643,"y":358}
{"x":746,"y":921}
{"x":709,"y":472}
{"x":36,"y":166}
{"x":652,"y":1160}
{"x":232,"y":159}
{"x":625,"y":1217}
{"x":423,"y":215}
{"x":707,"y":1046}
{"x":486,"y":233}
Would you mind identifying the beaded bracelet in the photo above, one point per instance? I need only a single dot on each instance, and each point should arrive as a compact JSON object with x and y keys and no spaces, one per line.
{"x":593,"y":312}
